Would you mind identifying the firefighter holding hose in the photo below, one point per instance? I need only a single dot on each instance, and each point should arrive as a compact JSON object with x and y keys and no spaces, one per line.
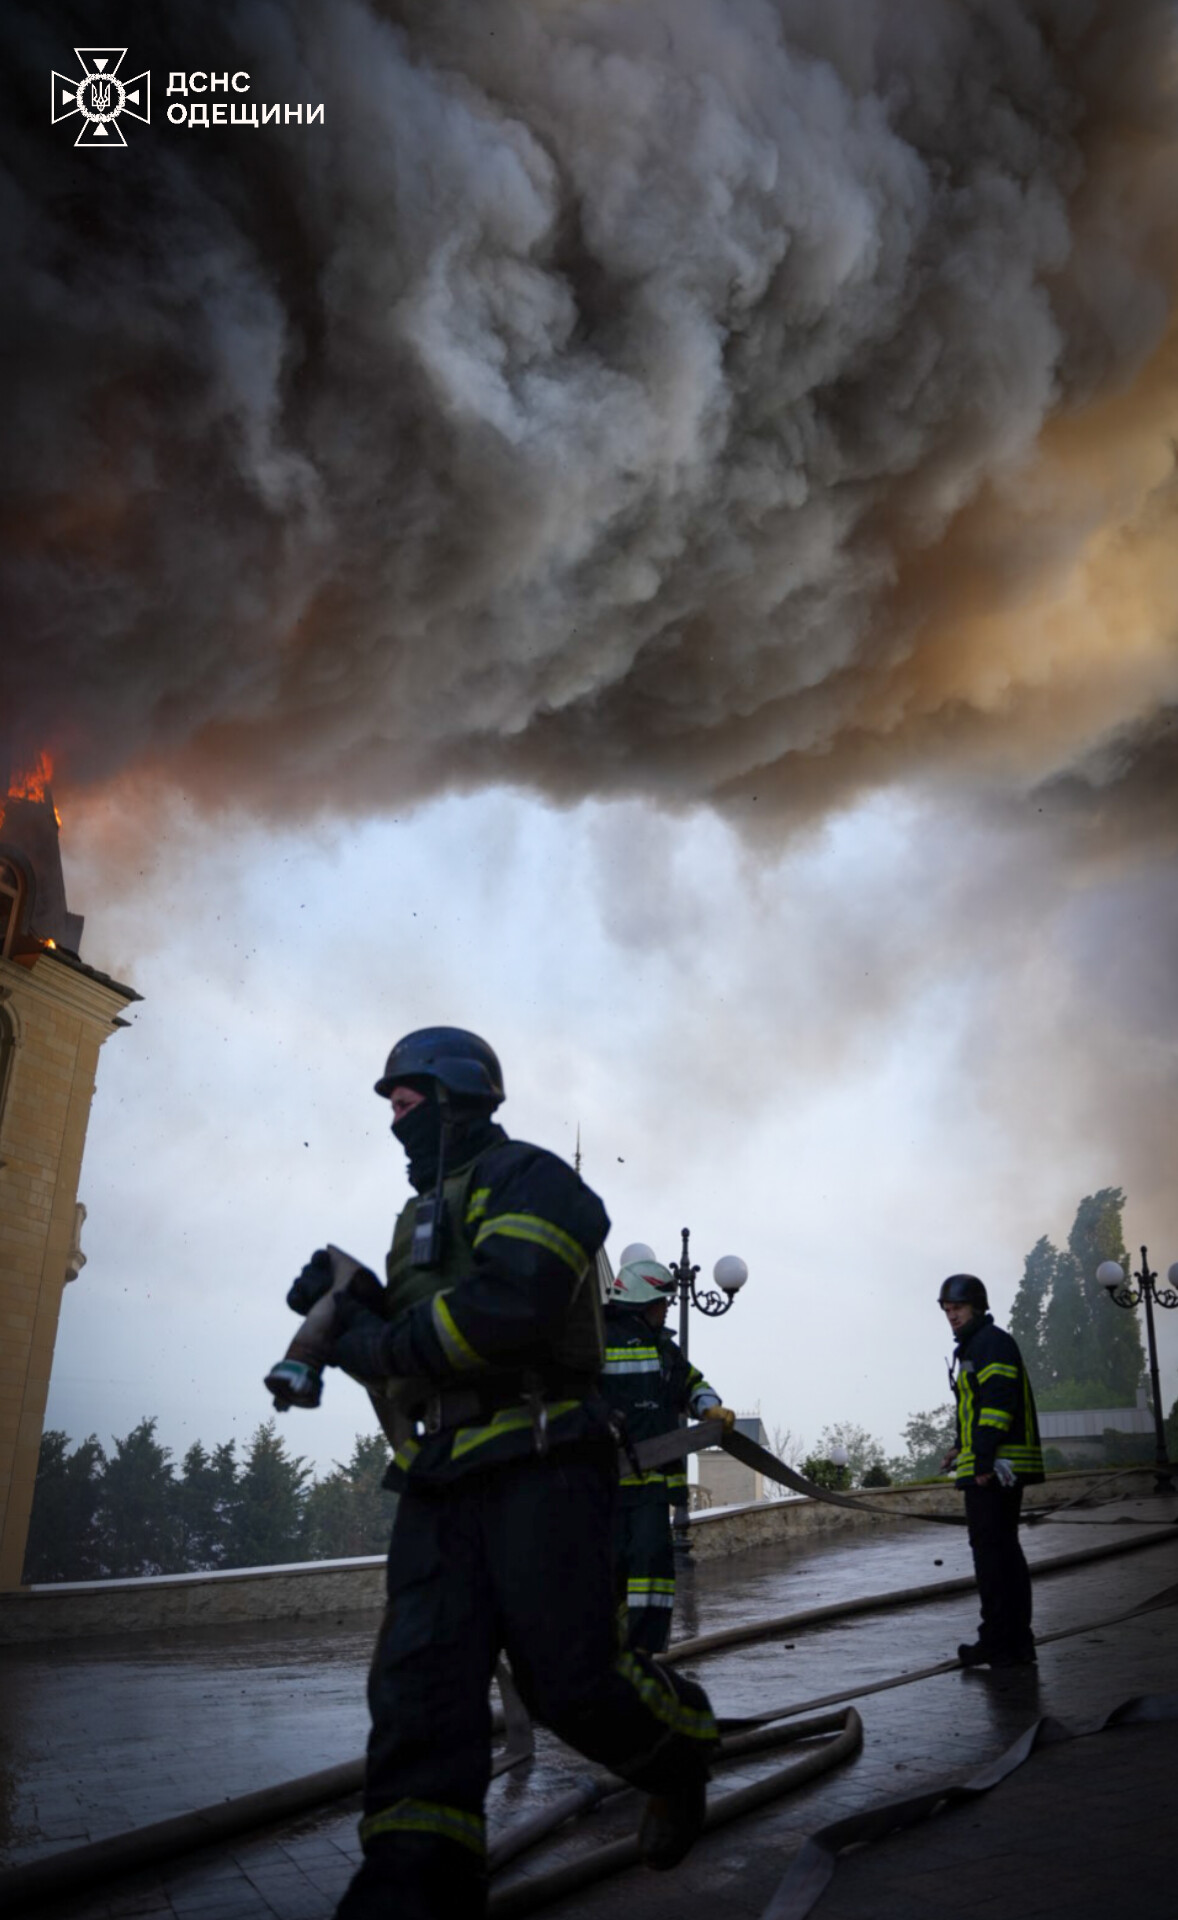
{"x":650,"y":1382}
{"x":488,"y":1338}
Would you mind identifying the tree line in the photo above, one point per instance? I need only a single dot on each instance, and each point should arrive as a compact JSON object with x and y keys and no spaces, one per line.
{"x":112,"y":1517}
{"x":99,"y":1516}
{"x":1080,"y":1351}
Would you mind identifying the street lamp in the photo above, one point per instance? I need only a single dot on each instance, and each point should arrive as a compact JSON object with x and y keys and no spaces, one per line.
{"x":1111,"y":1276}
{"x":729,"y":1273}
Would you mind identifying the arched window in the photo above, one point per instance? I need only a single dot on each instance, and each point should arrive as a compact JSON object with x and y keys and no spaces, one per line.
{"x":12,"y":890}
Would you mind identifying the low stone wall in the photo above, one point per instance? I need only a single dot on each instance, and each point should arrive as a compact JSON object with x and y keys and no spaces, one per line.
{"x":84,"y":1610}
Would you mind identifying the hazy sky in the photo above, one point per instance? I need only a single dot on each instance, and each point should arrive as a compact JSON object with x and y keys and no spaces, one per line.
{"x":650,"y":532}
{"x":826,"y":1061}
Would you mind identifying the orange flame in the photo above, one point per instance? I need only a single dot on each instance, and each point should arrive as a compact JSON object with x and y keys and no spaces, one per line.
{"x":31,"y":784}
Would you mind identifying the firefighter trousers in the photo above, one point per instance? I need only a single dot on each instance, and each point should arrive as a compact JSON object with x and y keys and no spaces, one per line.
{"x":518,"y":1559}
{"x":1004,"y":1580}
{"x":646,"y":1568}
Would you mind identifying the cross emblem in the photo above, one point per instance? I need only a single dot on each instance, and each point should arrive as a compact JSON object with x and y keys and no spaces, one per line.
{"x":100,"y":96}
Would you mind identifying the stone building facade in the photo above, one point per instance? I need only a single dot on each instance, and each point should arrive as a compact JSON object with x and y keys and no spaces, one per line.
{"x":55,"y":1014}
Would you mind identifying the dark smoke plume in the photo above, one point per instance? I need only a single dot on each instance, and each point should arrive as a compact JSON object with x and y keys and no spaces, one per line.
{"x":755,"y":401}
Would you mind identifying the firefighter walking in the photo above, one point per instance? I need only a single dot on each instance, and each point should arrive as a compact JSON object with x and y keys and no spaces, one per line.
{"x":489,"y":1341}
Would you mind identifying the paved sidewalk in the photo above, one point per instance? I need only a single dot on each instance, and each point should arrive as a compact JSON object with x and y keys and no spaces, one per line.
{"x":168,"y":1728}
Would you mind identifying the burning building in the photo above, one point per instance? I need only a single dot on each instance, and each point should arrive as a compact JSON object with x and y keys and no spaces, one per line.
{"x":55,"y":1013}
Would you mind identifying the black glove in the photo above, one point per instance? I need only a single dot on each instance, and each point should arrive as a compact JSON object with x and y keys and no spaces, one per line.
{"x":313,"y":1282}
{"x":358,"y":1340}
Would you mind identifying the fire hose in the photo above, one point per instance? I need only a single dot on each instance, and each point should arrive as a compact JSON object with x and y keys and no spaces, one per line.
{"x":26,"y":1887}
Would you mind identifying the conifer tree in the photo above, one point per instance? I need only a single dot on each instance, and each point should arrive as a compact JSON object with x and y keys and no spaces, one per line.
{"x":64,"y":1541}
{"x":1030,"y":1305}
{"x":207,"y":1497}
{"x":349,"y":1513}
{"x":266,"y":1529}
{"x":1091,"y":1352}
{"x":138,"y":1515}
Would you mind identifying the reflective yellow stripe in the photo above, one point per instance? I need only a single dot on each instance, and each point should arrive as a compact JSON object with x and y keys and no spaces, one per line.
{"x":666,"y":1706}
{"x":455,"y":1345}
{"x":999,"y":1367}
{"x":427,"y":1816}
{"x":406,"y":1454}
{"x":507,"y":1420}
{"x":542,"y":1233}
{"x":994,"y":1417}
{"x":477,"y":1205}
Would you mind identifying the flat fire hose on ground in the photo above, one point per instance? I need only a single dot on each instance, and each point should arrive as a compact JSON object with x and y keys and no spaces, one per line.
{"x":681,"y":1441}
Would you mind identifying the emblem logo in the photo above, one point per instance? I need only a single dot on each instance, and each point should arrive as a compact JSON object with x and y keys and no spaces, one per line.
{"x":100,"y":97}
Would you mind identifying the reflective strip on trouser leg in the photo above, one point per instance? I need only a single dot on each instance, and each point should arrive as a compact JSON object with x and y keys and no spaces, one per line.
{"x":427,"y":1816}
{"x":650,"y":1593}
{"x":547,"y":1524}
{"x":429,"y":1749}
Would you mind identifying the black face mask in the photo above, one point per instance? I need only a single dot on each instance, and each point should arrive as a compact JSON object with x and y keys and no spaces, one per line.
{"x":420,"y":1133}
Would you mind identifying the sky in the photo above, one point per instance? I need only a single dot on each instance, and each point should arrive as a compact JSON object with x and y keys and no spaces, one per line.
{"x":648,"y":533}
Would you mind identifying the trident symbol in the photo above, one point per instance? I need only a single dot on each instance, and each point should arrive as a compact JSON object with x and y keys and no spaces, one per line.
{"x":101,"y":98}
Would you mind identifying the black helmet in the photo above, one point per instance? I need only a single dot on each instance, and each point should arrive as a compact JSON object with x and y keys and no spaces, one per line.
{"x":964,"y":1290}
{"x":463,"y":1063}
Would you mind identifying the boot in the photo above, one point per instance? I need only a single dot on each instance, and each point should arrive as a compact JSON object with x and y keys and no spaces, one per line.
{"x":673,"y":1822}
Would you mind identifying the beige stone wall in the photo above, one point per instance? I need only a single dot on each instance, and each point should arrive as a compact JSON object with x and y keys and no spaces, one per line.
{"x":60,"y":1018}
{"x":183,"y":1601}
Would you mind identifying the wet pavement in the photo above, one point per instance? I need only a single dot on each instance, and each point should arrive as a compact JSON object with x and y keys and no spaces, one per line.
{"x":99,"y":1737}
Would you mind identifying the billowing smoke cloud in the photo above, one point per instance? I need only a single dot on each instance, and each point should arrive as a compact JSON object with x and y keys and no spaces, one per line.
{"x":746,"y":400}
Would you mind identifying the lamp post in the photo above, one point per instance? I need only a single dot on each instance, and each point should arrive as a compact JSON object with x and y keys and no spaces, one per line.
{"x":1111,"y":1276}
{"x":729,"y":1273}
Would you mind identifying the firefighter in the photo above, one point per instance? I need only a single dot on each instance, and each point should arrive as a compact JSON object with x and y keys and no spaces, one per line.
{"x":490,"y":1343}
{"x":650,"y":1382}
{"x":997,"y":1454}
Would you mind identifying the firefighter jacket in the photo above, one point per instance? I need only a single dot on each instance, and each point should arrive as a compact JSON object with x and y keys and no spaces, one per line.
{"x":495,"y":1346}
{"x":995,"y":1406}
{"x":648,"y":1380}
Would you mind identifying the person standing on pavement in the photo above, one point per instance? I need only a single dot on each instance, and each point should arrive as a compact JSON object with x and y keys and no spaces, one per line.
{"x":649,"y":1381}
{"x":489,"y":1340}
{"x":997,"y":1454}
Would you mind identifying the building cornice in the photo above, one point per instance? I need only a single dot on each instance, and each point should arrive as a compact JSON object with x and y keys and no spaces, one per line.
{"x":50,"y":977}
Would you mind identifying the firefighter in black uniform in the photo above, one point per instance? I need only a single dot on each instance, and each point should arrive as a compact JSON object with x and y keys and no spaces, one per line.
{"x":490,"y":1344}
{"x":996,"y":1456}
{"x":649,"y":1381}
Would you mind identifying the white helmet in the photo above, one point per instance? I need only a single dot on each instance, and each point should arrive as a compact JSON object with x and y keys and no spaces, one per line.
{"x":641,"y":1281}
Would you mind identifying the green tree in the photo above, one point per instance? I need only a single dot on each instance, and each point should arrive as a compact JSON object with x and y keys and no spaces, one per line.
{"x":1090,"y":1347}
{"x":266,"y":1529}
{"x":64,"y":1540}
{"x":349,"y":1512}
{"x":927,"y":1439}
{"x":1030,"y":1305}
{"x":1098,"y":1234}
{"x":207,"y":1498}
{"x":138,"y":1515}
